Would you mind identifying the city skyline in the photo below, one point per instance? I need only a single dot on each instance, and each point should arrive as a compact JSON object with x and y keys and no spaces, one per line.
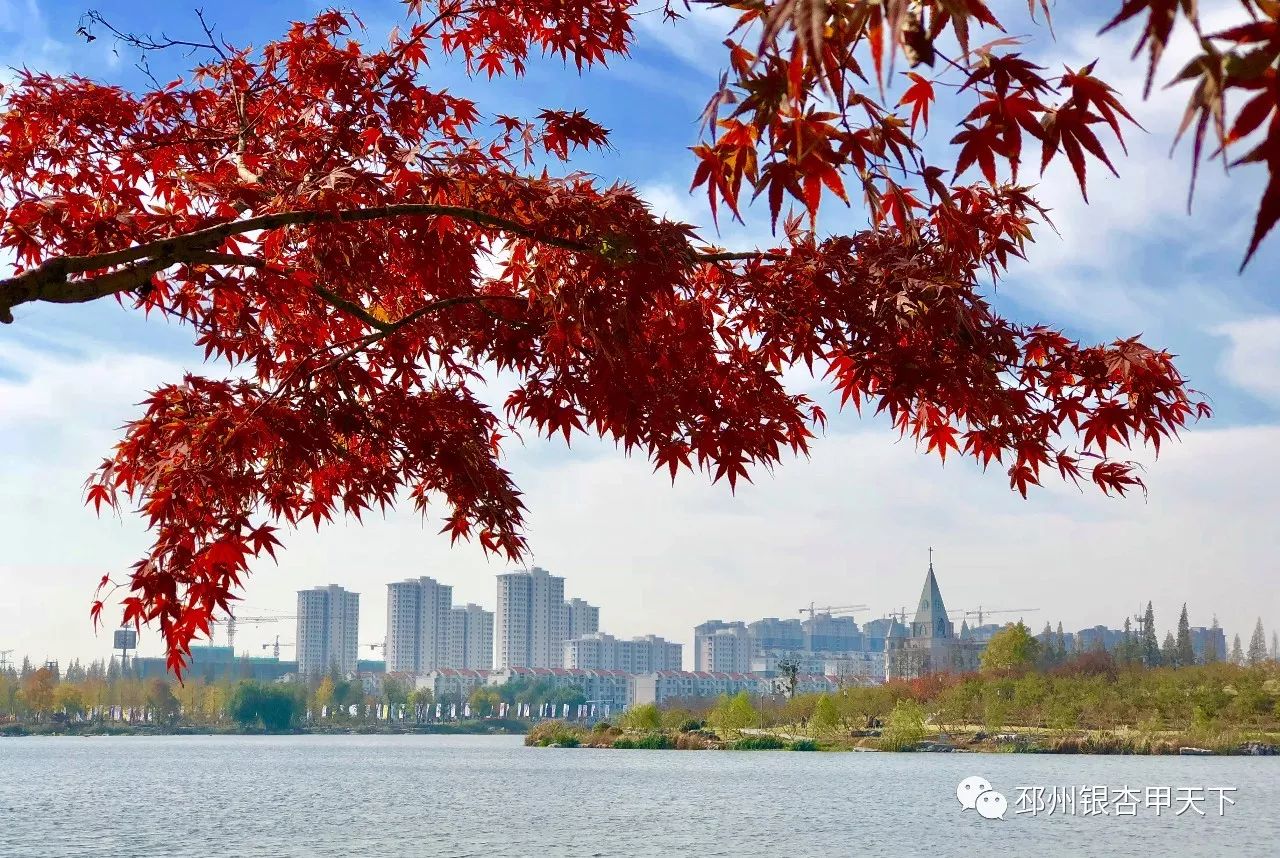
{"x":448,"y":650}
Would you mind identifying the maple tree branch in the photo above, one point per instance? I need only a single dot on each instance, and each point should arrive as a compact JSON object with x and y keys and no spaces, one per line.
{"x":51,"y":280}
{"x":351,"y":307}
{"x":385,"y":329}
{"x":737,"y":256}
{"x":388,"y":328}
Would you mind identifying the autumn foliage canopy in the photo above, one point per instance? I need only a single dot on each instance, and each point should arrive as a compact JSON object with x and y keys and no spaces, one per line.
{"x":364,"y":247}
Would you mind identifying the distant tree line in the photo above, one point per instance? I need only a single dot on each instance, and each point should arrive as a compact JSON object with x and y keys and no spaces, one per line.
{"x":1142,"y":646}
{"x":46,"y":695}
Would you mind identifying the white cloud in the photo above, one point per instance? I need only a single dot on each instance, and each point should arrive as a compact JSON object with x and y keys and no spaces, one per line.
{"x":59,"y":416}
{"x":1252,"y":361}
{"x":696,"y":40}
{"x":669,"y":202}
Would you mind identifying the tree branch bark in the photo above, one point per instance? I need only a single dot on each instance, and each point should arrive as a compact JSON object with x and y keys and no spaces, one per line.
{"x":52,"y":281}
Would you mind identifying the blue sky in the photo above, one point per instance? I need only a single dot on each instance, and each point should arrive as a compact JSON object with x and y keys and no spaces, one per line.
{"x":852,"y":523}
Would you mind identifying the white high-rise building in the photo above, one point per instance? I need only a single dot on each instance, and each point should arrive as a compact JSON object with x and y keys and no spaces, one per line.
{"x":328,"y":629}
{"x":726,"y":650}
{"x":471,"y":638}
{"x":418,"y":624}
{"x":599,"y":651}
{"x":721,"y":647}
{"x":529,"y":625}
{"x":581,"y":619}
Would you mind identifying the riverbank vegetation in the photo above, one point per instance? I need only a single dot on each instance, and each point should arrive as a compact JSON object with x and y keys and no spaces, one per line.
{"x":1088,"y":703}
{"x":102,"y":700}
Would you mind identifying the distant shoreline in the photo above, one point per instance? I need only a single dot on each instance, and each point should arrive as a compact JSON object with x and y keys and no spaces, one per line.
{"x":555,"y":734}
{"x":504,"y":727}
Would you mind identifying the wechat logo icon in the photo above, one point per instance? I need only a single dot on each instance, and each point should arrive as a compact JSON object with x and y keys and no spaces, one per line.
{"x":975,"y":793}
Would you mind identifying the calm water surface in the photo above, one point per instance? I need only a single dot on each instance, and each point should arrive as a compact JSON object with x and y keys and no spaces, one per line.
{"x":473,"y":795}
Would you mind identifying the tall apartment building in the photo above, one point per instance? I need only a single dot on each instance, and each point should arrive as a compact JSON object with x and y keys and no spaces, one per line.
{"x":721,"y":646}
{"x":529,"y":625}
{"x":581,"y":619}
{"x":639,"y":655}
{"x":1209,"y":644}
{"x":328,"y":629}
{"x":878,"y":631}
{"x":825,"y":633}
{"x":418,"y":625}
{"x":772,"y":633}
{"x":470,"y":638}
{"x":726,"y":650}
{"x":1098,"y":637}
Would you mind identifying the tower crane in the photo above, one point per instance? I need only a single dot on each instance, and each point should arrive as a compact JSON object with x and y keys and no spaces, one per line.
{"x":275,"y":647}
{"x":233,"y":621}
{"x":832,"y":610}
{"x":981,"y":612}
{"x":899,"y":616}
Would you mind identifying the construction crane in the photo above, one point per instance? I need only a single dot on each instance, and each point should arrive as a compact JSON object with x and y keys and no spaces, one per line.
{"x":382,"y":646}
{"x":233,"y":621}
{"x":832,"y":610}
{"x":898,"y":617}
{"x":275,"y":647}
{"x":981,"y":612}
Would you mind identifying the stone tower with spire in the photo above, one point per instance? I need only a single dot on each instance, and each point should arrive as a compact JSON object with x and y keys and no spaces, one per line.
{"x":933,"y":646}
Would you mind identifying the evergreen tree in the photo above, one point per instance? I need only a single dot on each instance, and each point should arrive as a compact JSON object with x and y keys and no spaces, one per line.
{"x":1211,"y":653}
{"x":1258,"y":645}
{"x":1062,"y":643}
{"x":1237,"y":654}
{"x":1125,"y":652}
{"x":1169,"y":651}
{"x":1185,"y":653}
{"x":1150,"y":643}
{"x":1275,"y":647}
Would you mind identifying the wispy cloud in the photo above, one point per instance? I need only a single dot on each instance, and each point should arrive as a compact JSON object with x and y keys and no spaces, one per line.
{"x":1252,"y":360}
{"x":696,"y":40}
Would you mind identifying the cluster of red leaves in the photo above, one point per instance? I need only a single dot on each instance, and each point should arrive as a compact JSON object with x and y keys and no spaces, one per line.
{"x":397,"y":251}
{"x":804,"y":113}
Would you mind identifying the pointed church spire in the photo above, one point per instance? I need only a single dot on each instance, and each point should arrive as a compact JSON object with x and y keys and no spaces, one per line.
{"x":931,"y":614}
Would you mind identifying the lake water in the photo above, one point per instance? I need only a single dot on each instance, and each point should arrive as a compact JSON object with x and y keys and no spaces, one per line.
{"x":482,"y":795}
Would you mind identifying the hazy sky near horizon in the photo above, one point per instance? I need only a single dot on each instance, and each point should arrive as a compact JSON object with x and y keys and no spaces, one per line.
{"x":852,"y":524}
